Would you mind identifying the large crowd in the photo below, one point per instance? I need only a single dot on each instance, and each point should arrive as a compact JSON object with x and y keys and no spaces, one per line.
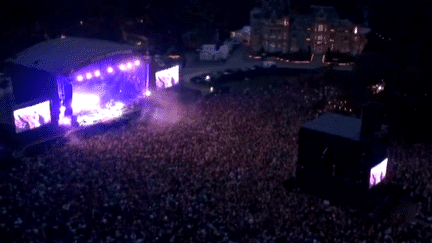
{"x":209,"y":171}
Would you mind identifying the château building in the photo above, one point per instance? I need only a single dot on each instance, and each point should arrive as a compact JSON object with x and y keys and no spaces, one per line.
{"x":275,"y":30}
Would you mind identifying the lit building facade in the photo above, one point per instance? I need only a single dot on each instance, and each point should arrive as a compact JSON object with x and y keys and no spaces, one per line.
{"x":320,"y":30}
{"x":276,"y":35}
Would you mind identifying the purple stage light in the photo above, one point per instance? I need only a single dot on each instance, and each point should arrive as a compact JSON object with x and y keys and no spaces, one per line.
{"x":110,"y":69}
{"x":88,"y":76}
{"x":122,"y":67}
{"x":137,"y":62}
{"x":129,"y":65}
{"x":148,"y":93}
{"x":97,"y":73}
{"x":80,"y":78}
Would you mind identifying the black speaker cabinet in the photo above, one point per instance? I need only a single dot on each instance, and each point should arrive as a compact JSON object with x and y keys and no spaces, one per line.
{"x":335,"y":162}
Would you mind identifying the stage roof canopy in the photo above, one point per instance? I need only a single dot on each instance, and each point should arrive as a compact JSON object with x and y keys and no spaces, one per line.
{"x":64,"y":55}
{"x":335,"y":124}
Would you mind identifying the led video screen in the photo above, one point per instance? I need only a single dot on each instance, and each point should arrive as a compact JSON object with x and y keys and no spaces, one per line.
{"x":32,"y":117}
{"x":168,"y":77}
{"x":378,"y":173}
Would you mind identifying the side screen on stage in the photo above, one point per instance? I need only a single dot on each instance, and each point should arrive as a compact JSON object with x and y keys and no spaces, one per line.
{"x":168,"y":77}
{"x":378,"y":173}
{"x":32,"y":117}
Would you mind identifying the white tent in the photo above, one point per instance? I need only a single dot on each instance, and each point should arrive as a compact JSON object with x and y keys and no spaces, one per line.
{"x":64,"y":55}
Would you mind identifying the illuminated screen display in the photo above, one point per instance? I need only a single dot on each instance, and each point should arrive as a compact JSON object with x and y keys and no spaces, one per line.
{"x":168,"y":77}
{"x":378,"y":173}
{"x":32,"y":117}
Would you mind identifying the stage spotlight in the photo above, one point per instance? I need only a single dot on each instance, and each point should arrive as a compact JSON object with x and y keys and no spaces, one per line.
{"x":122,"y":67}
{"x":137,"y":62}
{"x":88,"y":76}
{"x":80,"y":78}
{"x":148,"y":93}
{"x":110,"y":70}
{"x":129,"y":65}
{"x":97,"y":73}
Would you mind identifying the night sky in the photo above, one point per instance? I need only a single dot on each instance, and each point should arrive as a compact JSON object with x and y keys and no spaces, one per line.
{"x":408,"y":22}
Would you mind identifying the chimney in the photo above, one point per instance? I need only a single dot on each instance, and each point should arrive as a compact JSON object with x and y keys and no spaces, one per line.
{"x":372,"y":120}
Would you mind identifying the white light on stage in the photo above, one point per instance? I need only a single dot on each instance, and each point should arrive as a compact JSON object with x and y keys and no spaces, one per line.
{"x":97,"y":73}
{"x":148,"y":93}
{"x":82,"y":102}
{"x":122,"y":67}
{"x":137,"y":62}
{"x":88,"y":76}
{"x":80,"y":78}
{"x":110,"y":70}
{"x":63,"y":120}
{"x":129,"y":65}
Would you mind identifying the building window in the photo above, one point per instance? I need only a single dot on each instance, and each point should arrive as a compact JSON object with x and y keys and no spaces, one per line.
{"x":285,"y":22}
{"x":272,"y":36}
{"x":332,"y":30}
{"x":355,"y":30}
{"x":272,"y":45}
{"x":356,"y":38}
{"x":319,"y":42}
{"x":279,"y":37}
{"x":285,"y":35}
{"x":265,"y":36}
{"x":320,"y":28}
{"x":320,"y":37}
{"x":331,"y":40}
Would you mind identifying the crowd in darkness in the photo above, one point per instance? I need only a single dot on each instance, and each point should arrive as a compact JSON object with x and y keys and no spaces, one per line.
{"x":214,"y":175}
